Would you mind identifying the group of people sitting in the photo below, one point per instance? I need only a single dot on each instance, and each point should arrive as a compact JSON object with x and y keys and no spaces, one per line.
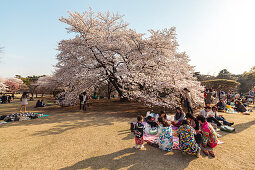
{"x":238,"y":105}
{"x":5,"y":99}
{"x":39,"y":103}
{"x":211,"y":115}
{"x":195,"y":133}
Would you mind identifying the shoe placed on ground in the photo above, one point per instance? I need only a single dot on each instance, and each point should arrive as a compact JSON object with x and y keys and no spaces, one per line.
{"x":205,"y":152}
{"x":211,"y":153}
{"x":141,"y":147}
{"x":135,"y":146}
{"x":218,"y":135}
{"x":230,"y":124}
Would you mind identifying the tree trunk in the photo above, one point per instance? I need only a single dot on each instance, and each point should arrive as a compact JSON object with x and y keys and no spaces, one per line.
{"x":122,"y":98}
{"x":116,"y":86}
{"x":109,"y":90}
{"x":36,"y":95}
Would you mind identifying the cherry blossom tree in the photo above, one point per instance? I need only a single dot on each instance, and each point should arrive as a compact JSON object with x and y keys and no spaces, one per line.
{"x":13,"y":84}
{"x":3,"y":87}
{"x":46,"y":85}
{"x":139,"y":68}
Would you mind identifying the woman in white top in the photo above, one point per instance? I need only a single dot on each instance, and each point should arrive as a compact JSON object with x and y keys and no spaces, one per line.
{"x":24,"y":102}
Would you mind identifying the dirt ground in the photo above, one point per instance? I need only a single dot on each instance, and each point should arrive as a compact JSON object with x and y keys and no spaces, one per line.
{"x":100,"y":139}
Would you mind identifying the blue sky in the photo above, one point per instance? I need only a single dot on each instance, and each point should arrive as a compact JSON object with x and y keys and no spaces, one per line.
{"x":215,"y":34}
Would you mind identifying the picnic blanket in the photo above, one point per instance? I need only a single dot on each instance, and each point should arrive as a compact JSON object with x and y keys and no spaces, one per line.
{"x":232,"y":111}
{"x":154,"y":139}
{"x":41,"y":116}
{"x":21,"y":117}
{"x":2,"y":122}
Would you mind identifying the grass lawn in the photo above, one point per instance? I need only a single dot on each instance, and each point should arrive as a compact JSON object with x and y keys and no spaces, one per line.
{"x":100,"y":139}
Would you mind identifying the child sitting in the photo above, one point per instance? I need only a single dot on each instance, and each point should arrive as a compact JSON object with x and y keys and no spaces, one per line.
{"x":187,"y":142}
{"x":165,"y":135}
{"x":139,"y":128}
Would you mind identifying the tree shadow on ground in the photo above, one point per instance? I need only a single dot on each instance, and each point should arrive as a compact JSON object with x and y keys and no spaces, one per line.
{"x":128,"y":133}
{"x":77,"y":121}
{"x":67,"y":118}
{"x":131,"y":158}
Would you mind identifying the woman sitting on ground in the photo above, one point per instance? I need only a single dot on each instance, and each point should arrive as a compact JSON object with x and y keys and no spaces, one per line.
{"x":39,"y":103}
{"x":162,"y":114}
{"x":206,"y":112}
{"x":232,"y":102}
{"x":179,"y":117}
{"x":209,"y":136}
{"x":219,"y":117}
{"x":195,"y":124}
{"x":187,"y":142}
{"x":221,"y":105}
{"x":165,"y":135}
{"x":245,"y":102}
{"x":239,"y":106}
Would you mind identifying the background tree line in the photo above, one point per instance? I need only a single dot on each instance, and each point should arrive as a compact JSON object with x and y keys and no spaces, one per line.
{"x":243,"y":82}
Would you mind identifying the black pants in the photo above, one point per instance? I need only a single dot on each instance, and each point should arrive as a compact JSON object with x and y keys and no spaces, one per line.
{"x":83,"y":106}
{"x":213,"y":119}
{"x":198,"y":138}
{"x":188,"y":105}
{"x":190,"y":110}
{"x":223,"y":119}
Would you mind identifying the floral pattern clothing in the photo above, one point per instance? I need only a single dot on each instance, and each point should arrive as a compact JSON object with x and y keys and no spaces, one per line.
{"x":187,"y":142}
{"x":165,"y":138}
{"x":209,"y":135}
{"x":139,"y":141}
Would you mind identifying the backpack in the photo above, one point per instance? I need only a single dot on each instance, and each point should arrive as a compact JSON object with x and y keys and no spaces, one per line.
{"x":2,"y":117}
{"x":132,"y":127}
{"x":81,"y":97}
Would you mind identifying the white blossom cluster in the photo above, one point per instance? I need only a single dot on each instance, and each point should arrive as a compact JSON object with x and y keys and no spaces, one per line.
{"x":147,"y":69}
{"x":46,"y":84}
{"x":3,"y":87}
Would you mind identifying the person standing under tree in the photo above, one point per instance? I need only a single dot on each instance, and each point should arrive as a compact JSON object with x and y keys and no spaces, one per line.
{"x":209,"y":97}
{"x":83,"y":98}
{"x":187,"y":100}
{"x":24,"y":102}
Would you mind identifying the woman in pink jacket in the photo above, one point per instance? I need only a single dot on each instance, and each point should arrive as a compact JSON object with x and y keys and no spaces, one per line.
{"x":209,"y":136}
